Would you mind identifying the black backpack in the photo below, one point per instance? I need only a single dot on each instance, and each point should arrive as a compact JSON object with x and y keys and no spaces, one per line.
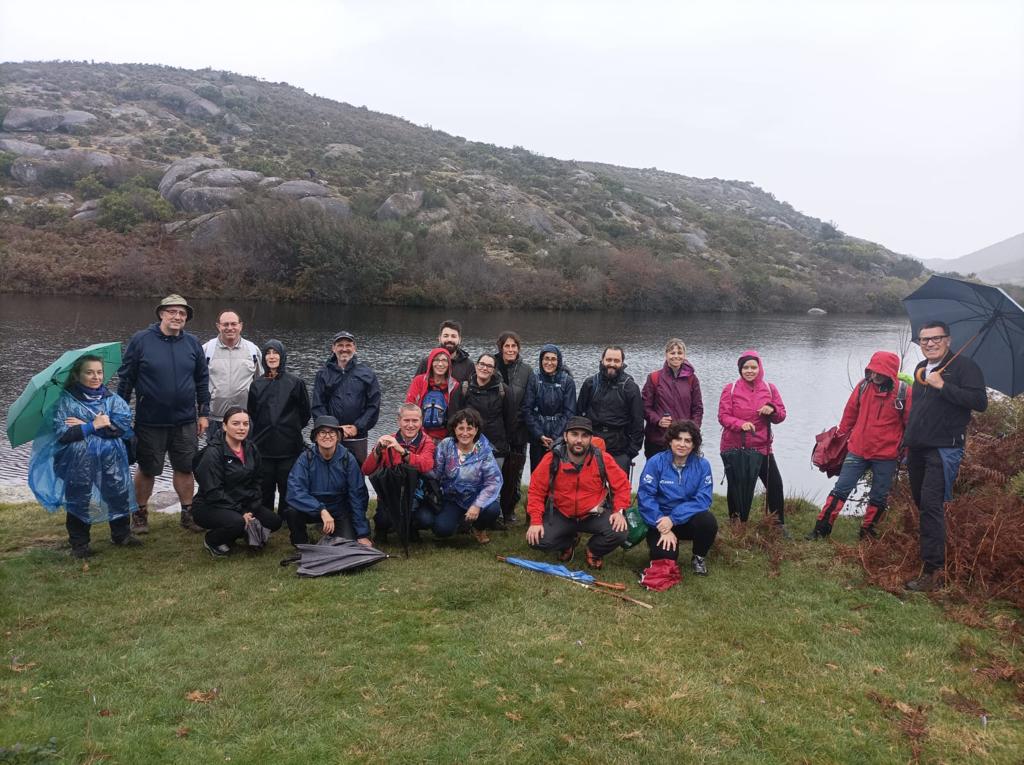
{"x":556,"y":462}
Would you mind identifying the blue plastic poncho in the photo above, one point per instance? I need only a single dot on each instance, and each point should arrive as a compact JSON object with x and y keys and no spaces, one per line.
{"x":90,"y":477}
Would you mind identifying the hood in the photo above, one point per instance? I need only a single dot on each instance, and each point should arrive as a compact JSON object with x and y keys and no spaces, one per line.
{"x":885,"y":363}
{"x":685,"y":370}
{"x":751,"y":353}
{"x":430,"y":361}
{"x":550,"y":348}
{"x":278,"y":346}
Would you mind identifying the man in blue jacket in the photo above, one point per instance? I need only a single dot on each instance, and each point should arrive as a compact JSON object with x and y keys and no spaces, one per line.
{"x":348,"y":390}
{"x":166,"y":368}
{"x":326,"y":486}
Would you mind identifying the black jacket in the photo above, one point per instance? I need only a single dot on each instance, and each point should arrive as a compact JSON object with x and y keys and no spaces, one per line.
{"x":463,"y":367}
{"x":278,"y":409}
{"x":518,"y":377}
{"x":225,"y":482}
{"x":938,"y":418}
{"x":168,"y":375}
{"x":616,"y":410}
{"x":351,"y":394}
{"x":494,"y":406}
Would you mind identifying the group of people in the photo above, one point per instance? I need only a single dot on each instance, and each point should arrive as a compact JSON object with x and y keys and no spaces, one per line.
{"x":465,"y":430}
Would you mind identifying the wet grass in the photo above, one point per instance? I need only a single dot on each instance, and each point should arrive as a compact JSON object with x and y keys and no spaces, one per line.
{"x":450,"y":656}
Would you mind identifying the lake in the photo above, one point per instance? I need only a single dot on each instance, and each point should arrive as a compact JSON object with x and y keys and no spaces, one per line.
{"x":813,"y":360}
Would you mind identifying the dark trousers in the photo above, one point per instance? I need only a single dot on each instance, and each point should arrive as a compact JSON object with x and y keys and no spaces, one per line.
{"x":274,"y":477}
{"x":225,"y":526}
{"x":772,"y":480}
{"x":298,"y":520}
{"x":446,"y":522}
{"x":358,"y":448}
{"x":624,"y":461}
{"x":702,"y":528}
{"x":512,"y":477}
{"x":78,"y":530}
{"x":537,"y":452}
{"x":560,"y":532}
{"x":651,"y":448}
{"x":928,"y":487}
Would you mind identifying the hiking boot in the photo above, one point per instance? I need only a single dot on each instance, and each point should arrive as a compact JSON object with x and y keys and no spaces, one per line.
{"x":81,"y":552}
{"x":569,"y":552}
{"x":820,"y":531}
{"x":929,"y":581}
{"x":480,"y":535}
{"x":868,"y":532}
{"x":129,"y":541}
{"x":699,"y":565}
{"x":593,"y":561}
{"x":188,"y":522}
{"x":217,"y":551}
{"x":140,"y":521}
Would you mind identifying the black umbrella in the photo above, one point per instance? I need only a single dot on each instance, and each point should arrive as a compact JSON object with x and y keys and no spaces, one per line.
{"x":742,"y":467}
{"x":396,"y":489}
{"x":332,"y":555}
{"x":985,"y":324}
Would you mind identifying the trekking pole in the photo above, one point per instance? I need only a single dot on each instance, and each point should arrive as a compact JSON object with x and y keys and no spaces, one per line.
{"x":614,"y":595}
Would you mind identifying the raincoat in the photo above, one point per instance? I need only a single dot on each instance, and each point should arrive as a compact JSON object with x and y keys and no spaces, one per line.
{"x":421,"y":385}
{"x":494,"y":404}
{"x":871,"y":417}
{"x":615,"y":408}
{"x":517,"y":376}
{"x":474,"y":481}
{"x":678,"y":493}
{"x":80,"y":469}
{"x":352,"y":394}
{"x":550,"y":399}
{"x":739,"y":403}
{"x":279,"y":408}
{"x":675,"y":393}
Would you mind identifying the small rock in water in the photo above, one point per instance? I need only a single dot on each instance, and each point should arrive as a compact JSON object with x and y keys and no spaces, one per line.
{"x":817,"y":311}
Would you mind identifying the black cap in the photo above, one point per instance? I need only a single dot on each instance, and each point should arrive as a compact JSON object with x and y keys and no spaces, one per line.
{"x":579,"y":423}
{"x":344,"y":335}
{"x":325,"y":421}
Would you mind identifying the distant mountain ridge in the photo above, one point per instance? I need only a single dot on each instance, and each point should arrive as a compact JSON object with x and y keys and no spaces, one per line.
{"x":162,"y":177}
{"x":999,"y":263}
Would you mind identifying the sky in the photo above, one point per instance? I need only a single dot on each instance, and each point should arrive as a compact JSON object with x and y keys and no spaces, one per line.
{"x":901,"y":121}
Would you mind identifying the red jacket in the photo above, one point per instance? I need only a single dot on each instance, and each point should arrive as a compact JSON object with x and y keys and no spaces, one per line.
{"x":871,"y":418}
{"x":421,"y":384}
{"x":577,"y":491}
{"x":419,"y":455}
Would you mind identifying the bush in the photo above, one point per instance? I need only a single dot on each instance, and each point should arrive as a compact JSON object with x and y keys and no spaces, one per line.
{"x":6,"y":160}
{"x":35,"y":216}
{"x":90,"y":187}
{"x":131,"y":205}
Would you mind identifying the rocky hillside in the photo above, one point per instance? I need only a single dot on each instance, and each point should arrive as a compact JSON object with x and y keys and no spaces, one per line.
{"x":159,"y":177}
{"x":999,"y":263}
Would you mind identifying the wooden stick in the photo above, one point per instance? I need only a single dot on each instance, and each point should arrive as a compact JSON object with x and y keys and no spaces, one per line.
{"x":615,"y":595}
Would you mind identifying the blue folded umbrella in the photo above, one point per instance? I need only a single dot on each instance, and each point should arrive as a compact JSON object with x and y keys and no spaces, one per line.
{"x":551,"y":568}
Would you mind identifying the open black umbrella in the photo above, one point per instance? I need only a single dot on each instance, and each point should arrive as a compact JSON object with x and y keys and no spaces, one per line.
{"x":396,"y":489}
{"x":332,"y":555}
{"x":985,"y":324}
{"x":742,"y":467}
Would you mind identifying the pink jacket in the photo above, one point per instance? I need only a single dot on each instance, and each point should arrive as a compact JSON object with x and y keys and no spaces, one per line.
{"x":739,"y":403}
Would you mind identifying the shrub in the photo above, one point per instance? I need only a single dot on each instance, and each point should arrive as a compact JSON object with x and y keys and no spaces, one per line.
{"x":6,"y":160}
{"x":90,"y":187}
{"x":131,"y":205}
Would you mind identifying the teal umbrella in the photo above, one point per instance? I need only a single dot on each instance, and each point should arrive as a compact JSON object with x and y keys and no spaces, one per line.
{"x":26,"y":414}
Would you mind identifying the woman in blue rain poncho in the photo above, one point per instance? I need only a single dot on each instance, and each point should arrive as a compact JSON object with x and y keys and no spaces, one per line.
{"x":80,"y":461}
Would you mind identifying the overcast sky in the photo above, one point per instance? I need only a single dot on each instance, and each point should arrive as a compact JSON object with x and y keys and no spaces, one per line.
{"x":902,"y":121}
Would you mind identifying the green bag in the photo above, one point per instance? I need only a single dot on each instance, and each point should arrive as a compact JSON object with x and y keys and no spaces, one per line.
{"x":636,"y":529}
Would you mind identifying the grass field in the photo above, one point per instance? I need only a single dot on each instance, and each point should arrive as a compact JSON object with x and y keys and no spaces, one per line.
{"x":162,"y":654}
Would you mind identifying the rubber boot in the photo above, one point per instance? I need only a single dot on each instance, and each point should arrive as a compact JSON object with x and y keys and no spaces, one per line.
{"x":872,"y":516}
{"x":827,"y":517}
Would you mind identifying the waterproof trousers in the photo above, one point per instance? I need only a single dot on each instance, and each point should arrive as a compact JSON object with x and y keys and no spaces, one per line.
{"x":298,"y":520}
{"x":79,"y":530}
{"x":702,"y":528}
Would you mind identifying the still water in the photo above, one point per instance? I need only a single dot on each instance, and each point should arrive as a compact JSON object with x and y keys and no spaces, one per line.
{"x":813,"y":360}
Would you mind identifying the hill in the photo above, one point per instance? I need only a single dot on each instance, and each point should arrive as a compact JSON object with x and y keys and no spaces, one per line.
{"x":1002,"y":262}
{"x":151,"y":178}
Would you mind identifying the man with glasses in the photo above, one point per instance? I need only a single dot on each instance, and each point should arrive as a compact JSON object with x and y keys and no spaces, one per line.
{"x":326,"y":487}
{"x":166,"y":368}
{"x":234,"y":363}
{"x":947,"y":387}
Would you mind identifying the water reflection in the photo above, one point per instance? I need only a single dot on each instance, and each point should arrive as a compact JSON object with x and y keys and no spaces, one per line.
{"x":813,"y":360}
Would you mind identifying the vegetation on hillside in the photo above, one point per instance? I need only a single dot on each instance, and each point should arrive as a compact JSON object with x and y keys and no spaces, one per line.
{"x":494,"y":226}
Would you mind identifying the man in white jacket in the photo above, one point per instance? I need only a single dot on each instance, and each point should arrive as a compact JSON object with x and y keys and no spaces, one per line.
{"x":234,"y":363}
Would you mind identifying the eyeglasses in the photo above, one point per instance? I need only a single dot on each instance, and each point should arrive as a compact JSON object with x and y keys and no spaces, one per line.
{"x":327,"y":433}
{"x":933,"y":340}
{"x":175,"y":312}
{"x":484,"y":365}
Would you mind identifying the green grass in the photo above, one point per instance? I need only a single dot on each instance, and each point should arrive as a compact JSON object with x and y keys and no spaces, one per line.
{"x":450,"y":656}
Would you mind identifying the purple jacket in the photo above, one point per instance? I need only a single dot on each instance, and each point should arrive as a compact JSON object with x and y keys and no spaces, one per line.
{"x":676,"y":394}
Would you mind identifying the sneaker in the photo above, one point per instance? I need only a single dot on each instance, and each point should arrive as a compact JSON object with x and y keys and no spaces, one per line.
{"x":569,"y":552}
{"x":217,"y":551}
{"x":593,"y":561}
{"x":81,"y":552}
{"x":927,"y":582}
{"x":188,"y":522}
{"x":699,"y":565}
{"x":129,"y":541}
{"x":140,"y":521}
{"x":480,"y":535}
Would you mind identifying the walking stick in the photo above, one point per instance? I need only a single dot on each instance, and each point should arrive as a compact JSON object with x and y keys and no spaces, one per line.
{"x":614,"y":595}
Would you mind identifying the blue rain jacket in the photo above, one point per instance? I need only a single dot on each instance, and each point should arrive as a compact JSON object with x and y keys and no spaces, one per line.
{"x":336,"y":485}
{"x":477,"y":481}
{"x":88,"y":476}
{"x":679,"y":493}
{"x":550,"y":400}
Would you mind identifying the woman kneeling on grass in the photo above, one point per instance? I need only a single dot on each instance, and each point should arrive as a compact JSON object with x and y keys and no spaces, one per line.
{"x":470,"y":481}
{"x":229,"y":497}
{"x":675,"y":498}
{"x":81,"y":461}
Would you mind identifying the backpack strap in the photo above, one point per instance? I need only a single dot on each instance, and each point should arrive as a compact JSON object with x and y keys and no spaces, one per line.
{"x":655,"y":376}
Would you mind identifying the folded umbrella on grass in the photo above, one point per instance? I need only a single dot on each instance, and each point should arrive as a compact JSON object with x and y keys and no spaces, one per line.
{"x":581,"y":578}
{"x":333,"y":555}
